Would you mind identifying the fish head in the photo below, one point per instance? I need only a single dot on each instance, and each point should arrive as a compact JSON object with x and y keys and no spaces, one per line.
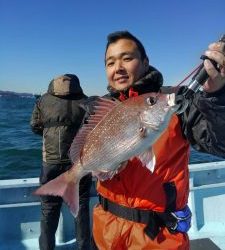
{"x":158,"y":110}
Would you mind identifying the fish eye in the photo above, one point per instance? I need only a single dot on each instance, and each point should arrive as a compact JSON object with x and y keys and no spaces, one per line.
{"x":151,"y":100}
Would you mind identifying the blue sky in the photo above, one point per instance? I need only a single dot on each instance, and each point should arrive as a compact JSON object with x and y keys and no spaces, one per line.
{"x":41,"y":39}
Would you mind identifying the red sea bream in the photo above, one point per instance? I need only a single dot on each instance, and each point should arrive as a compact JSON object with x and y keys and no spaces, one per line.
{"x":117,"y":132}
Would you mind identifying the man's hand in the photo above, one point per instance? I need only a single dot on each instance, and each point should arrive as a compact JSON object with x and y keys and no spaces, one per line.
{"x":216,"y":81}
{"x":122,"y":166}
{"x":103,"y":176}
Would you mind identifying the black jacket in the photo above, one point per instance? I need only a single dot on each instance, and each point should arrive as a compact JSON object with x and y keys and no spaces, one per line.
{"x":203,"y":122}
{"x":57,"y":116}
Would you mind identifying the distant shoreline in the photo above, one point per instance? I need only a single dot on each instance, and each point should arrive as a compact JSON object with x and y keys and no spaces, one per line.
{"x":15,"y":94}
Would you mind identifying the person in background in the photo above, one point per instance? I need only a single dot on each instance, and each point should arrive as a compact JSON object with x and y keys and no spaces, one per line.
{"x":57,"y":115}
{"x":140,"y":209}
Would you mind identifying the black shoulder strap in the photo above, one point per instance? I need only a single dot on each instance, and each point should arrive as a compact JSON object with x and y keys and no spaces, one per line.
{"x":171,"y":196}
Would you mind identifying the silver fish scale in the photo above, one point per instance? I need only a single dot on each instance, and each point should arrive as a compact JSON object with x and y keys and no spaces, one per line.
{"x":111,"y":139}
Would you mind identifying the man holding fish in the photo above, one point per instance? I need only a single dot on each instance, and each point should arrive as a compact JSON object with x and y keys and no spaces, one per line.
{"x":137,"y":144}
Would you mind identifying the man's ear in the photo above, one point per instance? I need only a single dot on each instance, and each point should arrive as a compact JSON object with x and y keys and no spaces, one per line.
{"x":146,"y":64}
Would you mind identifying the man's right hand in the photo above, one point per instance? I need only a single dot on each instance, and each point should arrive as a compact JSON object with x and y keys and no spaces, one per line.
{"x":103,"y":176}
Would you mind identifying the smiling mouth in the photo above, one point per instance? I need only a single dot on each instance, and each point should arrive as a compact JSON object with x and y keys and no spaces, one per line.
{"x":122,"y":79}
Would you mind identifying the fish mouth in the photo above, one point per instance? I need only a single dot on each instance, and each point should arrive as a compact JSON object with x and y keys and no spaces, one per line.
{"x":171,"y":99}
{"x":172,"y":102}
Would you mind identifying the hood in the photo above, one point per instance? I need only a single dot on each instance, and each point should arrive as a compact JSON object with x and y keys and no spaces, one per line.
{"x":151,"y":82}
{"x":65,"y":85}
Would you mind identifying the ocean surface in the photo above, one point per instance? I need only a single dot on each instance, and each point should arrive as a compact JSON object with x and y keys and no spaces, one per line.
{"x":20,"y":149}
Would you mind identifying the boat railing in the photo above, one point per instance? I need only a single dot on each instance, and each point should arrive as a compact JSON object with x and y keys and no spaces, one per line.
{"x":20,"y":210}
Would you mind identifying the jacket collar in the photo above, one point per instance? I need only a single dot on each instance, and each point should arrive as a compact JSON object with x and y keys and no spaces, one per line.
{"x":151,"y":82}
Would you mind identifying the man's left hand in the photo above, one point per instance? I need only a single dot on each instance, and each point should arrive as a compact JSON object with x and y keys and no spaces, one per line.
{"x":216,"y":81}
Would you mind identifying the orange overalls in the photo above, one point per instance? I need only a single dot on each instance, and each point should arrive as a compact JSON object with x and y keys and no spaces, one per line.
{"x":137,"y":187}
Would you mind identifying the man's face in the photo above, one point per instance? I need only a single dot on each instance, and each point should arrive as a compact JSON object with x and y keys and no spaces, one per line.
{"x":124,"y":65}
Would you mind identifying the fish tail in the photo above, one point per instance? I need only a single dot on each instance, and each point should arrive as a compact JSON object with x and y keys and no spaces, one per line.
{"x":64,"y":186}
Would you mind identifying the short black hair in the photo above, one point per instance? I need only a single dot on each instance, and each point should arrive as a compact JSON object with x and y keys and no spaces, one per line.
{"x":115,"y":36}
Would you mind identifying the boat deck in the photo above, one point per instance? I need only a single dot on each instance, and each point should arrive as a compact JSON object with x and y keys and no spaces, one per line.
{"x":20,"y":212}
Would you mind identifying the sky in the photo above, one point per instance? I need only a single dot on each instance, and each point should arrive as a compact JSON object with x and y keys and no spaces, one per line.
{"x":42,"y":39}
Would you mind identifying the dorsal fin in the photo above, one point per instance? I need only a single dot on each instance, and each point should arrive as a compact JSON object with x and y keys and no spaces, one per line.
{"x":101,"y":108}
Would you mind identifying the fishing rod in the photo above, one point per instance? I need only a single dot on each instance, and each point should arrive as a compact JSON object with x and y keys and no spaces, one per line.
{"x":201,"y":76}
{"x":197,"y":81}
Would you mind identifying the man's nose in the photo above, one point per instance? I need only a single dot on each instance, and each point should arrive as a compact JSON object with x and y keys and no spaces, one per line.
{"x":119,"y":66}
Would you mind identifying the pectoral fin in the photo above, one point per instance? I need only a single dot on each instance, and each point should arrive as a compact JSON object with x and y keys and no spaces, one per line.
{"x":148,"y":159}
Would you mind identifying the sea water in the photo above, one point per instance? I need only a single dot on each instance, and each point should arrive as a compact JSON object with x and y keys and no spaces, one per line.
{"x":20,"y":148}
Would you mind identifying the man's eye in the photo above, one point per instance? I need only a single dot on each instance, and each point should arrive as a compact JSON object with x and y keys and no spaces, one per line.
{"x":110,"y":64}
{"x":127,"y":59}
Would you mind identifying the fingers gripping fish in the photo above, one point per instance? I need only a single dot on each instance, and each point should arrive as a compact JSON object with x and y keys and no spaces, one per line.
{"x":117,"y":132}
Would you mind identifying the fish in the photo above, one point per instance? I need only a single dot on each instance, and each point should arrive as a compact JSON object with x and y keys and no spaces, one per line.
{"x":114,"y":134}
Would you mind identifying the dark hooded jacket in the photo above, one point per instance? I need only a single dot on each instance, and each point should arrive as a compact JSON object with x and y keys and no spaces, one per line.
{"x":57,"y":115}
